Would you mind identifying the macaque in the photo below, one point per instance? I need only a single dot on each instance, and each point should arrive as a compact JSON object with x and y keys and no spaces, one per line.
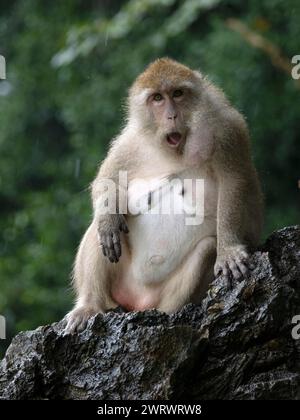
{"x":179,"y":128}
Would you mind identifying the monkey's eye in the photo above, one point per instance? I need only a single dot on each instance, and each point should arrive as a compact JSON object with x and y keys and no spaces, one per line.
{"x":177,"y":93}
{"x":157,"y":97}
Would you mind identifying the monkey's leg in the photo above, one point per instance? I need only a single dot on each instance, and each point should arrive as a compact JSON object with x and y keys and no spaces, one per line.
{"x":91,"y":276}
{"x":190,"y":282}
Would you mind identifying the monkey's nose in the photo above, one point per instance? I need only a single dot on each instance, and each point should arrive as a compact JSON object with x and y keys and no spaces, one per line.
{"x":172,"y":117}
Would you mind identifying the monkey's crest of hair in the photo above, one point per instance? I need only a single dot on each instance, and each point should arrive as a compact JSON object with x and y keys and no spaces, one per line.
{"x":164,"y":70}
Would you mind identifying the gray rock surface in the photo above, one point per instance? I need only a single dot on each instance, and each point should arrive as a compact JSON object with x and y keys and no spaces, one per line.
{"x":236,"y":345}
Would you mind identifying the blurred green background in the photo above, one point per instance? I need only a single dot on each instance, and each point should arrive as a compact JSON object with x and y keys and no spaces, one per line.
{"x":69,"y":65}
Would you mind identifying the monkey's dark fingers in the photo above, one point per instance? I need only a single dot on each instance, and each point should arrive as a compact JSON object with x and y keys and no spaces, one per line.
{"x":103,"y":245}
{"x":102,"y":242}
{"x":104,"y":250}
{"x":117,"y":245}
{"x":112,"y":255}
{"x":123,"y":227}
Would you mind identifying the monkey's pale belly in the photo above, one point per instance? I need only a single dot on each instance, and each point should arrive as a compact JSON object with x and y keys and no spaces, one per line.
{"x":144,"y":274}
{"x":160,"y":243}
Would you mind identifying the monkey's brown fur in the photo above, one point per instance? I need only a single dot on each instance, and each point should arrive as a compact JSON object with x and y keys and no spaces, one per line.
{"x":178,"y":126}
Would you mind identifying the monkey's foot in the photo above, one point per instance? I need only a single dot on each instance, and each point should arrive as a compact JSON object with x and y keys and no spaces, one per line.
{"x":78,"y":318}
{"x":233,"y":261}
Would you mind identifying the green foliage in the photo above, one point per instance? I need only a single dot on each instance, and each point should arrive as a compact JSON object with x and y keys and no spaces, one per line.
{"x":69,"y":65}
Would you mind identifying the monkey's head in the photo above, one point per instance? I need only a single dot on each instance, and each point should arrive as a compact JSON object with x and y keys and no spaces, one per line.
{"x":162,"y":101}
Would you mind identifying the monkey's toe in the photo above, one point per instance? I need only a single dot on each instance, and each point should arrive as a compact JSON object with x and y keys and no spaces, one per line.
{"x":234,"y":269}
{"x":221,"y":268}
{"x":77,"y":319}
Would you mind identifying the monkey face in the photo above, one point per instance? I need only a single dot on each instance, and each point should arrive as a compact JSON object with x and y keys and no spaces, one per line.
{"x":163,"y":99}
{"x":166,"y":109}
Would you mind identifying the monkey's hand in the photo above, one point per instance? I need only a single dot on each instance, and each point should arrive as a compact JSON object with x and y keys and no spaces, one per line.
{"x":232,"y":260}
{"x":109,"y":228}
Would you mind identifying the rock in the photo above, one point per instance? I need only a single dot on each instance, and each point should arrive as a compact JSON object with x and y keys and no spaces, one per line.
{"x":236,"y":345}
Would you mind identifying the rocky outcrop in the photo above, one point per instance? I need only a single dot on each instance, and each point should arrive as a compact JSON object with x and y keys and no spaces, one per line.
{"x":236,"y":345}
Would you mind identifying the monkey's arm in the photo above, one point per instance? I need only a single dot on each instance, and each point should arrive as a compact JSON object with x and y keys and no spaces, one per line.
{"x":109,"y":196}
{"x":239,"y":201}
{"x":232,"y":252}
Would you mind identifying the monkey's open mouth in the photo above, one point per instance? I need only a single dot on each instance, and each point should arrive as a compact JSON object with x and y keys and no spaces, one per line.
{"x":174,"y":139}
